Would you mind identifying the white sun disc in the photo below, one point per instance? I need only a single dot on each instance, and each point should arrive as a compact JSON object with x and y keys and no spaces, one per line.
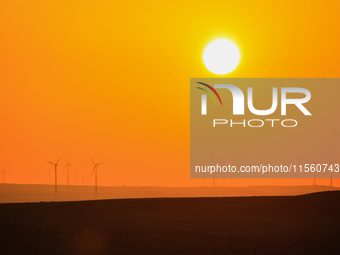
{"x":221,"y":56}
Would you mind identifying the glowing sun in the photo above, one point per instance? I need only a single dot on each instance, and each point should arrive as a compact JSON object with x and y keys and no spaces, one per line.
{"x":221,"y":56}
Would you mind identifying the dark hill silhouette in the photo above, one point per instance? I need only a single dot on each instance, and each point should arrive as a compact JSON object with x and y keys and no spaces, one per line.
{"x":16,"y":193}
{"x":305,"y":224}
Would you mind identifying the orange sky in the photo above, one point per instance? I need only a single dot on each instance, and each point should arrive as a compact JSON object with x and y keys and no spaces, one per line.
{"x":111,"y":78}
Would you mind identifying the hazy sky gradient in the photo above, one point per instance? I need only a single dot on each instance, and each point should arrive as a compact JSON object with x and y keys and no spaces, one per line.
{"x":111,"y":79}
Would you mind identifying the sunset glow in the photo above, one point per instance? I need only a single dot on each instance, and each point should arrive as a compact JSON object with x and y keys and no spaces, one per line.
{"x":111,"y":80}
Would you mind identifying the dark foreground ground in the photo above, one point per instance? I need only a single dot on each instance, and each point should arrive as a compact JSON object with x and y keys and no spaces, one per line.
{"x":306,"y":224}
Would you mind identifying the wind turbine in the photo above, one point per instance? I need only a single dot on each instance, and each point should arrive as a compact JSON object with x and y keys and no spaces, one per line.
{"x":314,"y":162}
{"x":4,"y":172}
{"x":214,"y":174}
{"x":331,"y":165}
{"x":68,"y":171}
{"x":55,"y":174}
{"x":95,"y":170}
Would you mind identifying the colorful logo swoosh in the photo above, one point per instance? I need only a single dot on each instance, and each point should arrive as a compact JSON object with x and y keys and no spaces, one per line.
{"x":211,"y":88}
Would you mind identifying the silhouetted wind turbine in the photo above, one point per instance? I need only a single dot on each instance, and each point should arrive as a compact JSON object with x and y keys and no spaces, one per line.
{"x":55,"y":174}
{"x":95,"y":170}
{"x":68,"y":171}
{"x":331,"y":164}
{"x":214,"y":174}
{"x":4,"y":172}
{"x":314,"y":162}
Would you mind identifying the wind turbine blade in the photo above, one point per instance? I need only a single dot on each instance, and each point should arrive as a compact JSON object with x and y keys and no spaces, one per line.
{"x":92,"y":160}
{"x":66,"y":160}
{"x":65,"y":167}
{"x":50,"y":162}
{"x":100,"y":164}
{"x":59,"y":160}
{"x":93,"y":170}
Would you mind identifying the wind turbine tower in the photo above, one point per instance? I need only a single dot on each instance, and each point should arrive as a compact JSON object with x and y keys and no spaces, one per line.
{"x":75,"y":176}
{"x":55,"y":175}
{"x":331,"y":164}
{"x":95,"y":170}
{"x":68,"y":171}
{"x":315,"y":164}
{"x":4,"y":172}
